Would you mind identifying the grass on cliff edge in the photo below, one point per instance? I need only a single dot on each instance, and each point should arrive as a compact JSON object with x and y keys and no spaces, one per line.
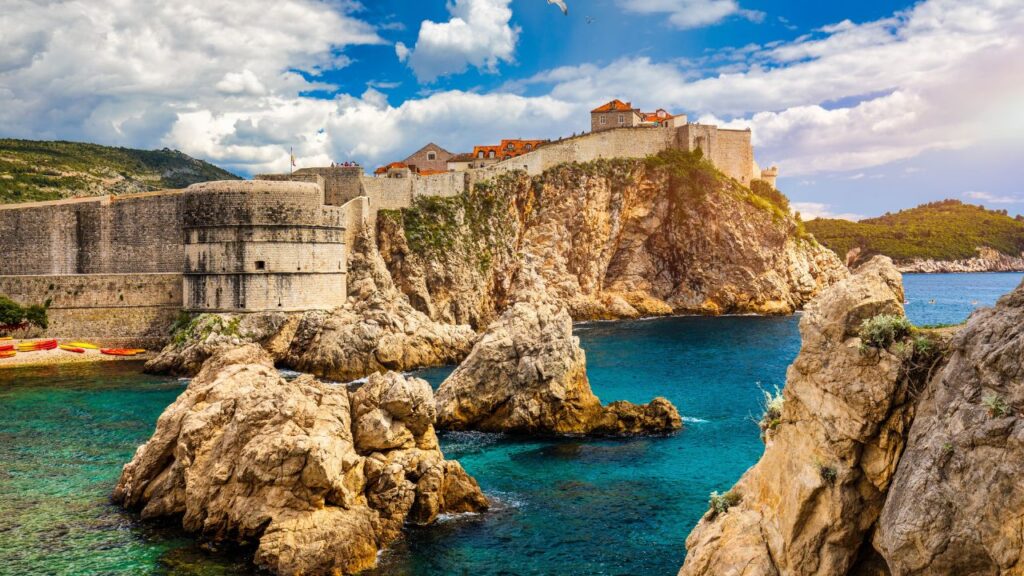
{"x":45,"y":170}
{"x":946,"y":230}
{"x":435,"y":226}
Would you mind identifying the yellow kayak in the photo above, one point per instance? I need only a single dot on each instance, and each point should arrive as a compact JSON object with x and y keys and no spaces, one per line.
{"x":85,"y":345}
{"x":6,"y":338}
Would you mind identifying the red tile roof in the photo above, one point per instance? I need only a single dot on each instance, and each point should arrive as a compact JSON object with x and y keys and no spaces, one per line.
{"x":393,"y":165}
{"x":508,"y":148}
{"x":614,"y":106}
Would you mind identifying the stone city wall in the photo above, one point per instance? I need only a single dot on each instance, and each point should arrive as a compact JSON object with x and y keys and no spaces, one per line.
{"x":106,"y":307}
{"x":133,"y":234}
{"x":262,"y":245}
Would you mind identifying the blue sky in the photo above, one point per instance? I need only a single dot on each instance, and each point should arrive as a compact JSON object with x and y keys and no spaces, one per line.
{"x":866,"y":107}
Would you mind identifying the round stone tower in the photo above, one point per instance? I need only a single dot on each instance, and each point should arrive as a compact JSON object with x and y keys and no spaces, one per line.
{"x":254,"y":246}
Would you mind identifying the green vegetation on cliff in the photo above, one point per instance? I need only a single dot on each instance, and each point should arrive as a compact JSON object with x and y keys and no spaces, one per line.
{"x":14,"y":316}
{"x":946,"y":230}
{"x":40,"y":170}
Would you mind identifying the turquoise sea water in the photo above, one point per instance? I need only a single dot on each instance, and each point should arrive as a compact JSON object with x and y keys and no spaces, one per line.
{"x":562,"y":506}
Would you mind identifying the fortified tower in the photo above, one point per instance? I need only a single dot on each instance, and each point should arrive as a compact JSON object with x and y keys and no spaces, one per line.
{"x":262,"y":246}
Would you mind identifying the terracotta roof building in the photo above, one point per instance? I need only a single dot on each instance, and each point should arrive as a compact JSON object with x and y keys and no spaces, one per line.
{"x":619,"y":114}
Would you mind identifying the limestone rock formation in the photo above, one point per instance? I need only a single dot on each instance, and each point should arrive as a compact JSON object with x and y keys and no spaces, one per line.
{"x":318,"y":477}
{"x":527,"y":374}
{"x":194,"y":342}
{"x":617,"y":239}
{"x":987,"y":260}
{"x":376,"y":330}
{"x":956,"y":505}
{"x":807,"y":506}
{"x":883,"y":464}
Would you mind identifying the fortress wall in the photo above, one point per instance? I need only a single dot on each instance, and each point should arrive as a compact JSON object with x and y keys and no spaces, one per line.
{"x":734,"y":155}
{"x":341,"y":183}
{"x":292,"y":292}
{"x":356,"y":214}
{"x":615,"y":143}
{"x":262,"y":245}
{"x":386,"y":194}
{"x":449,"y":184}
{"x":145,"y":235}
{"x":133,"y":308}
{"x":106,"y":235}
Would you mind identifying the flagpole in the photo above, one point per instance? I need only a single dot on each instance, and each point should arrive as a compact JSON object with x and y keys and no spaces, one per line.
{"x":291,"y":160}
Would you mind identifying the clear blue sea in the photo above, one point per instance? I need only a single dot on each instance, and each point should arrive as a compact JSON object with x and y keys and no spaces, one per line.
{"x":566,"y":507}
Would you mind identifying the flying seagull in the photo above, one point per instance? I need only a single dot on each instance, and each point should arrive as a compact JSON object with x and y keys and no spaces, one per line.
{"x":560,"y":4}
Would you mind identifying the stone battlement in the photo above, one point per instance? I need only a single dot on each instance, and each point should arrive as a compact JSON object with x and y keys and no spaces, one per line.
{"x":118,"y":266}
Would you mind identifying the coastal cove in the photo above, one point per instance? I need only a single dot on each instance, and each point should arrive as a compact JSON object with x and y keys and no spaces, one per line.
{"x":562,"y":506}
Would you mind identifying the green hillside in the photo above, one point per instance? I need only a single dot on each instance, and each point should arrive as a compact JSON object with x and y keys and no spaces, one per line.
{"x":946,"y":230}
{"x":39,"y":170}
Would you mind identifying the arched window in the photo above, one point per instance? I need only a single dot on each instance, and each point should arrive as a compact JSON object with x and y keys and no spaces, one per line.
{"x":490,"y":154}
{"x":480,"y":154}
{"x":529,"y":147}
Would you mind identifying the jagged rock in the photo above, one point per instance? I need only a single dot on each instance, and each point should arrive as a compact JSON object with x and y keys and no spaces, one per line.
{"x":318,"y":477}
{"x":956,"y":505}
{"x":987,"y":260}
{"x":527,"y":374}
{"x":617,"y":239}
{"x":376,"y":330}
{"x":206,"y":334}
{"x":807,"y":506}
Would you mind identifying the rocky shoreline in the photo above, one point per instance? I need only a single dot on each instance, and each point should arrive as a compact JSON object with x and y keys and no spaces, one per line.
{"x":886,"y":452}
{"x":987,"y":260}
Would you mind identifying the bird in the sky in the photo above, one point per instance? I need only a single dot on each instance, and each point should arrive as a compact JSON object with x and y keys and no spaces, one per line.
{"x":590,"y":20}
{"x":560,"y":4}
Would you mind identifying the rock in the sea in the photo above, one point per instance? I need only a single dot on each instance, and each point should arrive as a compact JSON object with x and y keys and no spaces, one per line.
{"x":318,"y":477}
{"x":527,"y":374}
{"x":376,"y":330}
{"x":202,"y":336}
{"x":956,"y":505}
{"x":808,"y":505}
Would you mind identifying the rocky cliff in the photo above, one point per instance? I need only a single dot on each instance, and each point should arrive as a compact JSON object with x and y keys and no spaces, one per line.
{"x":319,"y":477}
{"x":615,"y":239}
{"x":888,"y":453}
{"x":376,"y":330}
{"x":528,"y":375}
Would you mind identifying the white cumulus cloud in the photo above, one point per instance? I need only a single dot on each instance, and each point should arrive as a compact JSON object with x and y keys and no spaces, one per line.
{"x":686,"y":14}
{"x":478,"y":34}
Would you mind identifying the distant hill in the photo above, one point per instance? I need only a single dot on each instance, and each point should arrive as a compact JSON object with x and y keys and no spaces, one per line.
{"x":33,"y":170}
{"x":947,"y":230}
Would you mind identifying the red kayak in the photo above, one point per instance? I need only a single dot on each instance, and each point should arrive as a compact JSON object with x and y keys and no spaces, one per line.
{"x":6,"y":347}
{"x":119,"y":352}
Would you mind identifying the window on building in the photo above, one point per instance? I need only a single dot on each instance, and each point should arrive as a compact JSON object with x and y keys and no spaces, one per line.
{"x":510,"y":146}
{"x":604,"y":120}
{"x":622,"y":118}
{"x":431,"y":155}
{"x":261,"y":265}
{"x":490,"y":154}
{"x":529,"y":147}
{"x":480,"y":155}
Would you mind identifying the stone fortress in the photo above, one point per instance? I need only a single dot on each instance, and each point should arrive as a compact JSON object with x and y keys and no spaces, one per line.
{"x":123,"y":268}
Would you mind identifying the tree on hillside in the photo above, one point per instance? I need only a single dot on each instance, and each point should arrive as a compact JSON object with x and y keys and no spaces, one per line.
{"x":13,"y":316}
